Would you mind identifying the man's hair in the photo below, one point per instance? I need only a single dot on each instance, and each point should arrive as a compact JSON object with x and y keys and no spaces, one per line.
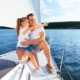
{"x":31,"y":14}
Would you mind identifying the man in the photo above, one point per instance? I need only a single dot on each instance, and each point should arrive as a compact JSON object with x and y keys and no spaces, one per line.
{"x":37,"y":38}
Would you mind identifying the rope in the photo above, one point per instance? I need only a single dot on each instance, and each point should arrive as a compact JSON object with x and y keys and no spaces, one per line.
{"x":66,"y":69}
{"x":50,"y":39}
{"x":62,"y":59}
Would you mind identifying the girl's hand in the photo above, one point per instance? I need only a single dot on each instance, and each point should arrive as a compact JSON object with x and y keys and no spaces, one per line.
{"x":45,"y":24}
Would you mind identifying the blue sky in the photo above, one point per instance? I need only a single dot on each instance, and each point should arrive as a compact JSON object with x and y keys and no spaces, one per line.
{"x":60,"y":10}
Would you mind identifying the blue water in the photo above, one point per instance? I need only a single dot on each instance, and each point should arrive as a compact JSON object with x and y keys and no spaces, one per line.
{"x":70,"y":38}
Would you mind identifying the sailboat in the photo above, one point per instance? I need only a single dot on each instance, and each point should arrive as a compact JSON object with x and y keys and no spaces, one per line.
{"x":10,"y":10}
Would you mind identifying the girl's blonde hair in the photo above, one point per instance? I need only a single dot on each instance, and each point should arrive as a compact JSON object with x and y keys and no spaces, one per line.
{"x":19,"y":20}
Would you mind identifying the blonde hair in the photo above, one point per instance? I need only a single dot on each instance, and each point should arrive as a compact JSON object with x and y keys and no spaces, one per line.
{"x":19,"y":20}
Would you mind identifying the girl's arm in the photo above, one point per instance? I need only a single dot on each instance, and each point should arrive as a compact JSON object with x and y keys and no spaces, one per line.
{"x":35,"y":27}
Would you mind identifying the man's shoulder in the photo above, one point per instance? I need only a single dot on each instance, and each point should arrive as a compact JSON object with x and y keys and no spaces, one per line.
{"x":40,"y":29}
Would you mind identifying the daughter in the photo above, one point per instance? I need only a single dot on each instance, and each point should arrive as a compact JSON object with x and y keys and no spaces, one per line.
{"x":22,"y":25}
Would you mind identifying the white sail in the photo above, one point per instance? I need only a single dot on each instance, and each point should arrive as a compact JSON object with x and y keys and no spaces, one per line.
{"x":10,"y":10}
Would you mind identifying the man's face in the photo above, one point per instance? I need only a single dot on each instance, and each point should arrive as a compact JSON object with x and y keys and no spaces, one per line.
{"x":32,"y":21}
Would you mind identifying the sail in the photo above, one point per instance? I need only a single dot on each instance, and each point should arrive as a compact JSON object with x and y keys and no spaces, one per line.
{"x":10,"y":10}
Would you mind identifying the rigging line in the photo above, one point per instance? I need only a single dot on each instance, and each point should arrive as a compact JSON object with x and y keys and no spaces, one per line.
{"x":62,"y":57}
{"x":66,"y":69}
{"x":8,"y":44}
{"x":63,"y":62}
{"x":50,"y":54}
{"x":51,"y":38}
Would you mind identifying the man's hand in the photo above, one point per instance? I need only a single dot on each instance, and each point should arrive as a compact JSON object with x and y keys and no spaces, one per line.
{"x":26,"y":42}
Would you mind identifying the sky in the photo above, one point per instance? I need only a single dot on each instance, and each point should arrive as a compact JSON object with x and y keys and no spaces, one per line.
{"x":60,"y":10}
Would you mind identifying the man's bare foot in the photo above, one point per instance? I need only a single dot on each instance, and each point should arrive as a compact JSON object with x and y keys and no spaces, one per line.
{"x":28,"y":60}
{"x":49,"y":68}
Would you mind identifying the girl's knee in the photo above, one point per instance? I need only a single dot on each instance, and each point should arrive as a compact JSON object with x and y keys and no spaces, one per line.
{"x":32,"y":57}
{"x":34,"y":52}
{"x":18,"y":52}
{"x":29,"y":54}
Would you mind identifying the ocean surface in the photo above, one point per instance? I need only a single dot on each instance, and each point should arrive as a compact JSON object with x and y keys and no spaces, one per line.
{"x":58,"y":39}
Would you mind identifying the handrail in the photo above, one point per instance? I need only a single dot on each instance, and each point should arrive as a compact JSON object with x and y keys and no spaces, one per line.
{"x":62,"y":57}
{"x":50,"y":54}
{"x":21,"y":72}
{"x":50,"y":34}
{"x":64,"y":64}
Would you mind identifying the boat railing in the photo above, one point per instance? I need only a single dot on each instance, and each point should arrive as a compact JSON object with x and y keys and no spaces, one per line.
{"x":62,"y":58}
{"x":50,"y":44}
{"x":62,"y":63}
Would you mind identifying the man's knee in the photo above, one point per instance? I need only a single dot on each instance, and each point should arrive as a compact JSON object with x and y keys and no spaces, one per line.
{"x":43,"y":44}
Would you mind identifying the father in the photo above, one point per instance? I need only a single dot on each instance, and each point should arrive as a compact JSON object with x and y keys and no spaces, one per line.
{"x":37,"y":39}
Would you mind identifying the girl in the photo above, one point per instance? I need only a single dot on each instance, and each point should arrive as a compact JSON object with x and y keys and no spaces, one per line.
{"x":22,"y":25}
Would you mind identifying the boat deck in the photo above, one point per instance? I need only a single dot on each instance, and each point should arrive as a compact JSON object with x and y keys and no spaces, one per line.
{"x":15,"y":72}
{"x":43,"y":62}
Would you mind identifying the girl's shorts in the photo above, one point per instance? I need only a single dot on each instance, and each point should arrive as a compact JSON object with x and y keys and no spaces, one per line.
{"x":29,"y":48}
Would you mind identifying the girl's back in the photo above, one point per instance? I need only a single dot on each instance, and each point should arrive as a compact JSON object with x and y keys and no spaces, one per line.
{"x":22,"y":37}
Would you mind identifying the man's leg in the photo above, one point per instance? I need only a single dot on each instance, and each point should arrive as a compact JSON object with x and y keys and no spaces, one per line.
{"x":44,"y":45}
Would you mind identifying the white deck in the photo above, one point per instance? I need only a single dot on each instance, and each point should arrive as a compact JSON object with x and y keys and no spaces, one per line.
{"x":15,"y":73}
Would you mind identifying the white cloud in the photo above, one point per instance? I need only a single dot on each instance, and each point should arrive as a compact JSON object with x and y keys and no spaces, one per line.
{"x":44,"y":8}
{"x":65,"y":4}
{"x":69,"y":10}
{"x":50,"y":1}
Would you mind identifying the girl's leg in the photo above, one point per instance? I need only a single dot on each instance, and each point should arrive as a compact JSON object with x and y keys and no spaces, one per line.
{"x":35,"y":55}
{"x":19,"y":53}
{"x":29,"y":54}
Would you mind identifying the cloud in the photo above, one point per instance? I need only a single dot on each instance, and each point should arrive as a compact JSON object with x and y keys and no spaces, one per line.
{"x":45,"y":11}
{"x":62,"y":10}
{"x":67,"y":3}
{"x":44,"y":8}
{"x":50,"y":1}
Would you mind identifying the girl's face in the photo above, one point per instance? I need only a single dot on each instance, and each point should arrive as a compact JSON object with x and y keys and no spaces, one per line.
{"x":25,"y":23}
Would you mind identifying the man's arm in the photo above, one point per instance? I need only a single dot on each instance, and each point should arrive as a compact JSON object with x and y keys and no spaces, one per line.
{"x":41,"y":38}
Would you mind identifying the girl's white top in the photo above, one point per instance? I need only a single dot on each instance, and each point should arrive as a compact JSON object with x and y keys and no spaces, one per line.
{"x":22,"y":37}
